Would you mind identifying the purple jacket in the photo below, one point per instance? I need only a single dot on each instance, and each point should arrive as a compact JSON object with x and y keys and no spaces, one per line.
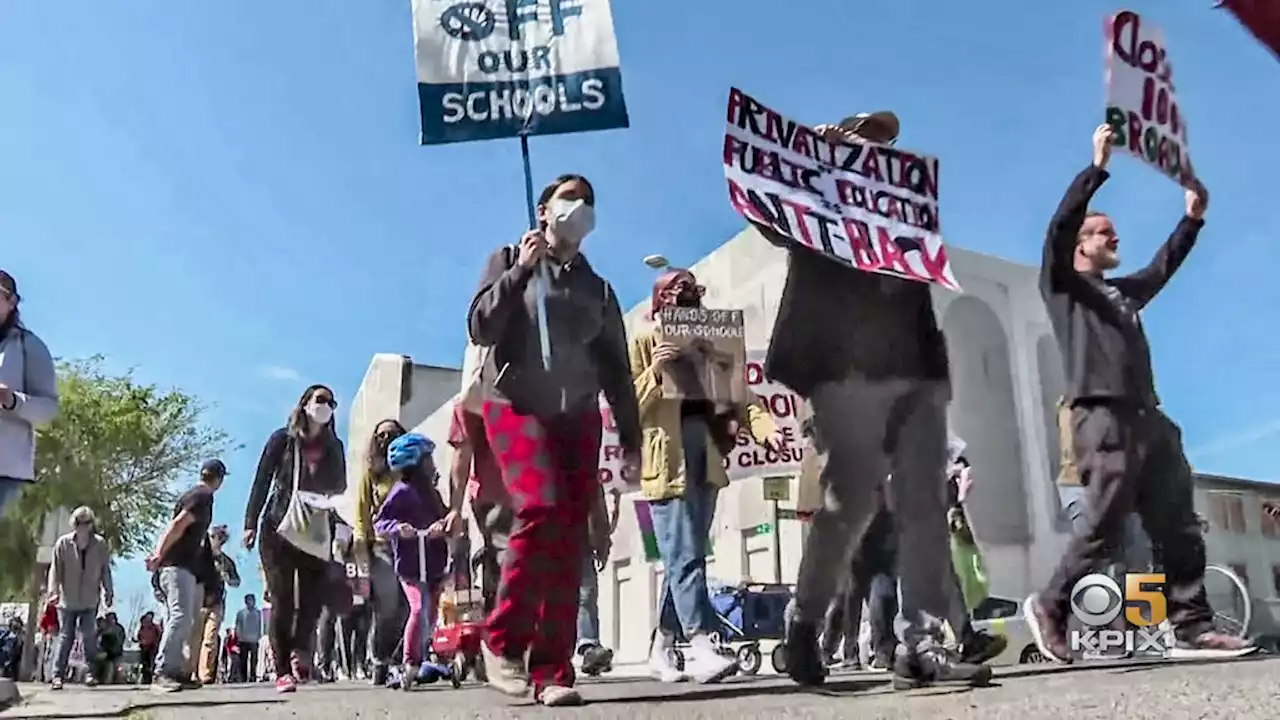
{"x":404,"y":504}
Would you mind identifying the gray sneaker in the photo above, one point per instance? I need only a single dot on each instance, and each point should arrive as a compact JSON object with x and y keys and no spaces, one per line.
{"x":507,"y":676}
{"x":164,"y":684}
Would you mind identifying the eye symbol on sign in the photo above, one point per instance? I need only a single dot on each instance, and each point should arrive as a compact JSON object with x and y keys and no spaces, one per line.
{"x":1096,"y":600}
{"x":469,"y":21}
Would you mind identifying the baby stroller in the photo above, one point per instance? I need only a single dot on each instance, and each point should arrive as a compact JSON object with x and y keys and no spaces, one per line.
{"x":749,"y":613}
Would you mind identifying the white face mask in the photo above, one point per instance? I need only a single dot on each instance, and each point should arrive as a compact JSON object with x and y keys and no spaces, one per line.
{"x":320,"y":413}
{"x":570,"y":220}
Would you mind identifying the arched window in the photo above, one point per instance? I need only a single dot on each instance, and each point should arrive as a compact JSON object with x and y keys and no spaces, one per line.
{"x":984,"y":413}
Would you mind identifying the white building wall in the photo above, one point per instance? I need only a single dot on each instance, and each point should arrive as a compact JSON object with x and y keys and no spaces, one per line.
{"x":394,"y":388}
{"x":1257,"y":553}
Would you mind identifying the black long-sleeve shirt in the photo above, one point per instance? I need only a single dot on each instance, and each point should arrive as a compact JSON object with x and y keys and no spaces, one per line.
{"x":588,"y":341}
{"x":1105,"y":354}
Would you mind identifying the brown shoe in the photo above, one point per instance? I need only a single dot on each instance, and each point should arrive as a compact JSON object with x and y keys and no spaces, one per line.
{"x":1212,"y":645}
{"x":1050,"y":635}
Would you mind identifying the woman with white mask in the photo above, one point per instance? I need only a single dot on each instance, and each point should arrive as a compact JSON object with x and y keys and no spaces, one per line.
{"x":303,"y":466}
{"x":544,"y":427}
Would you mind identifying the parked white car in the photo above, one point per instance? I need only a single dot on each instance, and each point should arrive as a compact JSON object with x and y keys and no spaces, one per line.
{"x":1003,"y":616}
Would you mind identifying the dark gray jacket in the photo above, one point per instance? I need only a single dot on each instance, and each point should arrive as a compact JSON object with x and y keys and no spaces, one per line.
{"x":1104,"y":349}
{"x":834,"y":320}
{"x":588,"y":342}
{"x":273,"y":483}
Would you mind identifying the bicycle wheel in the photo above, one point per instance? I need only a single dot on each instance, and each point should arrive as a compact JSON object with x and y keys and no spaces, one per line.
{"x":1229,"y":597}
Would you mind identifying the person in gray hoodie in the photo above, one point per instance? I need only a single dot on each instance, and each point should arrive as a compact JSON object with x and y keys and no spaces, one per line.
{"x":28,"y":394}
{"x":79,"y":578}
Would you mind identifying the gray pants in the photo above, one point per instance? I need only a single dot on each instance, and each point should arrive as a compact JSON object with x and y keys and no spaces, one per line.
{"x":872,"y":429}
{"x":1134,"y":553}
{"x":181,"y":606}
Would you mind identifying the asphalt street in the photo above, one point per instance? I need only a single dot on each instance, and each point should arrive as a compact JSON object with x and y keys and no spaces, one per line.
{"x":1236,"y":690}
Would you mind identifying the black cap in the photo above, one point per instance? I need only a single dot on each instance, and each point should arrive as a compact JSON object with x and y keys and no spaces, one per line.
{"x":214,"y":467}
{"x":8,"y":285}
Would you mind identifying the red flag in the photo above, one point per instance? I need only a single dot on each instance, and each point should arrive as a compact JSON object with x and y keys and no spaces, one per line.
{"x":1261,"y":17}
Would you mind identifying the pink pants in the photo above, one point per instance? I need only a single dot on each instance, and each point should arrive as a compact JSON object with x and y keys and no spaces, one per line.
{"x":424,"y":601}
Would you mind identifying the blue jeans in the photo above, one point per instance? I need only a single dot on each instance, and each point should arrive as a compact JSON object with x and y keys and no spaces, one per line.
{"x":10,"y":490}
{"x":589,"y":605}
{"x":883,"y":606}
{"x":1134,"y":553}
{"x":683,"y":527}
{"x":85,"y":622}
{"x":179,"y":588}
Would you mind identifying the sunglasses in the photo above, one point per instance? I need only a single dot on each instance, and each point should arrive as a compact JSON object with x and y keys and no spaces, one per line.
{"x":388,"y":434}
{"x":325,"y":400}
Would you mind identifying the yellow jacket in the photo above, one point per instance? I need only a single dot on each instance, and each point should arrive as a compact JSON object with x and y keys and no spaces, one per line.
{"x":369,"y":496}
{"x":662,"y":467}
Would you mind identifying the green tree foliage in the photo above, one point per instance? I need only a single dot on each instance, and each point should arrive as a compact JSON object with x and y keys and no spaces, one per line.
{"x":118,"y":446}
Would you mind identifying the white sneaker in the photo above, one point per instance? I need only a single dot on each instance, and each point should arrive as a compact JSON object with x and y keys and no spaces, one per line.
{"x":709,"y":665}
{"x":509,"y":677}
{"x":662,"y":660}
{"x":559,"y":696}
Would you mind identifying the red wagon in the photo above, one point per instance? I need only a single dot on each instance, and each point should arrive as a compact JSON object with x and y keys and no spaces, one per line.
{"x":456,"y":640}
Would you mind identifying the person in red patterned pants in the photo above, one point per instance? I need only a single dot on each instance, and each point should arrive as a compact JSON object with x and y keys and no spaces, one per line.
{"x":543,"y":424}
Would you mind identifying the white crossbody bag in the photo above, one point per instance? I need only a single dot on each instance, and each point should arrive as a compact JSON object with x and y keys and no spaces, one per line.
{"x":307,"y":524}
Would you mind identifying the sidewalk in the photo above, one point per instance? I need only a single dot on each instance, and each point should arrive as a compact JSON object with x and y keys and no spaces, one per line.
{"x":75,"y":701}
{"x":9,"y":693}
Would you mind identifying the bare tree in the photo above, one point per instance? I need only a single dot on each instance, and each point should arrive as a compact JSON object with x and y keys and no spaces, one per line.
{"x":138,"y":603}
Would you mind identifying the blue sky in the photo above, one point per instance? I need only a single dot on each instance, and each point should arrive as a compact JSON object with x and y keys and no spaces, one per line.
{"x":229,"y":197}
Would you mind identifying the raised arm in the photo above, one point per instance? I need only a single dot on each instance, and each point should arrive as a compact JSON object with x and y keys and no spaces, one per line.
{"x":1057,"y":268}
{"x":501,"y":293}
{"x":1142,"y":286}
{"x":612,"y":355}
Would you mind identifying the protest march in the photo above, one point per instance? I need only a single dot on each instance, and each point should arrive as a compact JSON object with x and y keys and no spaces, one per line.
{"x":1142,"y":105}
{"x":871,"y":206}
{"x":825,"y":460}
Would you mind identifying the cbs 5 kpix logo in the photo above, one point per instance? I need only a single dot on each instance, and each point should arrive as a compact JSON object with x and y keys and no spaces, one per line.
{"x":1099,"y":604}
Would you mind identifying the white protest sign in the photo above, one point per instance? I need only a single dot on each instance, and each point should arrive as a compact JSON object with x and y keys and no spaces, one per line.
{"x":873,"y":207}
{"x":501,"y":68}
{"x":610,"y":450}
{"x":1141,"y":103}
{"x":751,"y":459}
{"x":748,"y":458}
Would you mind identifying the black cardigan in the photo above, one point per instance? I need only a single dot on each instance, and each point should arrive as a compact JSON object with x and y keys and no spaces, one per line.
{"x":273,"y":482}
